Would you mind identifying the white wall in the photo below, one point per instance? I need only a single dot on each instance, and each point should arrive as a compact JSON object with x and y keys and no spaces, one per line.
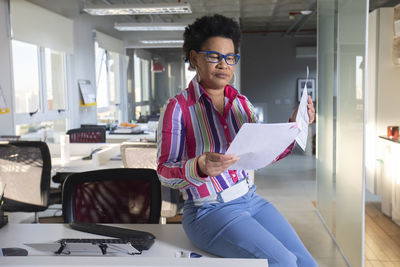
{"x":269,"y":72}
{"x":6,"y":120}
{"x":388,"y":75}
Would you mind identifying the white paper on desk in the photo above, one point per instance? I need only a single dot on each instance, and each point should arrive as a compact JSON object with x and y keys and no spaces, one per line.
{"x":302,"y":118}
{"x":258,"y":145}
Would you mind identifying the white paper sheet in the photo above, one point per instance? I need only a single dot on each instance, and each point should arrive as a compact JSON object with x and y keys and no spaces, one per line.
{"x":88,"y":92}
{"x":258,"y":145}
{"x":3,"y":104}
{"x":302,"y":118}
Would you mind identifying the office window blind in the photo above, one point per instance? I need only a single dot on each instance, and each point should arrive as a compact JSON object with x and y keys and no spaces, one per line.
{"x":109,"y":43}
{"x":34,"y":24}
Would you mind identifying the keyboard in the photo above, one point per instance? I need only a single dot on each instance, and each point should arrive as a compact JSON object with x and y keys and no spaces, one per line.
{"x":139,"y":239}
{"x":139,"y":244}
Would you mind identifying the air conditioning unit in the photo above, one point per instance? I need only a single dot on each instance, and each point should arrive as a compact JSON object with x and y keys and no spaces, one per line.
{"x":306,"y":51}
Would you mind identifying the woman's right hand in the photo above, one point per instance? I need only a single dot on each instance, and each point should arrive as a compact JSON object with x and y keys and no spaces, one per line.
{"x":213,"y":164}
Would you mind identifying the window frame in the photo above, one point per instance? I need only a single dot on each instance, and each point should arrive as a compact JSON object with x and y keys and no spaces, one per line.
{"x":138,"y":74}
{"x":44,"y":114}
{"x":116,"y":104}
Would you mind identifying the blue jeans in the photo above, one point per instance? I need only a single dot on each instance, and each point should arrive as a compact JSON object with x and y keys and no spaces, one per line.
{"x":247,"y":227}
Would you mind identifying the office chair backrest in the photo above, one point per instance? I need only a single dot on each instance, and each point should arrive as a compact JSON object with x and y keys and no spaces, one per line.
{"x":144,"y":155}
{"x":87,"y":135}
{"x":112,"y":196}
{"x":139,"y":155}
{"x":25,"y":168}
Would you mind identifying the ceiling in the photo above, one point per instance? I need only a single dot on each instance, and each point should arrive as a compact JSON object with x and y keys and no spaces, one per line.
{"x":268,"y":16}
{"x":255,"y":16}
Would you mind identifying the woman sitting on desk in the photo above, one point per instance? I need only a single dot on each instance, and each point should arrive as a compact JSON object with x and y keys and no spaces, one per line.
{"x":222,"y":215}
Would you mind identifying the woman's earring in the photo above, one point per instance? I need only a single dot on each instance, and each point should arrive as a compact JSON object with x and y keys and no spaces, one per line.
{"x":197,"y":75}
{"x":233,"y":80}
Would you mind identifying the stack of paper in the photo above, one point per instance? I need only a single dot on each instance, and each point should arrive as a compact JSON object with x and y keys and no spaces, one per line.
{"x":258,"y":145}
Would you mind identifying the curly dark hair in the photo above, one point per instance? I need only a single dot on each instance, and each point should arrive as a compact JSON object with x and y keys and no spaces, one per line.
{"x":210,"y":26}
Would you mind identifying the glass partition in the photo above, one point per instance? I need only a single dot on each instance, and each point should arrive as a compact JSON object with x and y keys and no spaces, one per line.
{"x":352,"y":22}
{"x":326,"y":119}
{"x":341,"y":91}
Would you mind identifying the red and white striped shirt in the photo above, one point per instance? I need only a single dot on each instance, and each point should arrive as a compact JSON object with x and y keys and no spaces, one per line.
{"x":189,"y":126}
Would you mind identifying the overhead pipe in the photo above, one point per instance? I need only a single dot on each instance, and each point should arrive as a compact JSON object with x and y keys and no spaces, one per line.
{"x":310,"y":7}
{"x":305,"y":21}
{"x":277,"y":31}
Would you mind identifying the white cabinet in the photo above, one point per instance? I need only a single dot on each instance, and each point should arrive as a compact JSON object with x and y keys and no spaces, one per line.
{"x":388,"y":182}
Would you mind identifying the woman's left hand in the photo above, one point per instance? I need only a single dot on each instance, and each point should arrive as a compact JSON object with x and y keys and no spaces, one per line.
{"x":310,"y":111}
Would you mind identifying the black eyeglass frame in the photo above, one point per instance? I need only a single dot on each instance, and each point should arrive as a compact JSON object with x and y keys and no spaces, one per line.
{"x":221,"y":56}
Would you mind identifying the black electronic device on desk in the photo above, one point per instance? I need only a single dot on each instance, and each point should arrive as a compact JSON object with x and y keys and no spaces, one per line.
{"x":145,"y":239}
{"x":126,"y":241}
{"x":3,"y":218}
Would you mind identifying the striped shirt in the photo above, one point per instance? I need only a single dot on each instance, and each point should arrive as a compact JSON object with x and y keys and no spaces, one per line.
{"x":189,"y":126}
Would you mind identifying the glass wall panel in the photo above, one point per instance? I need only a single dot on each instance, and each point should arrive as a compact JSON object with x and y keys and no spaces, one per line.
{"x":325,"y":116}
{"x":340,"y":111}
{"x":352,"y":21}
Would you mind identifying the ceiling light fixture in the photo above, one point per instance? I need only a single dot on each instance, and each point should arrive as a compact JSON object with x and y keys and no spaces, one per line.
{"x":137,"y":9}
{"x":161,"y":41}
{"x":150,"y":26}
{"x":306,"y":12}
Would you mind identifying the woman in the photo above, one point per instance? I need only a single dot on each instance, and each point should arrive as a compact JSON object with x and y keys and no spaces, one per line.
{"x":222,"y":214}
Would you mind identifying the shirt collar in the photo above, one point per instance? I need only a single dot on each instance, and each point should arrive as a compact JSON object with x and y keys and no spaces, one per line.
{"x":196,"y":91}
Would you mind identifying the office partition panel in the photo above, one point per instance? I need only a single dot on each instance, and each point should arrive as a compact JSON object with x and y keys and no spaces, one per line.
{"x":341,"y":189}
{"x":326,"y":119}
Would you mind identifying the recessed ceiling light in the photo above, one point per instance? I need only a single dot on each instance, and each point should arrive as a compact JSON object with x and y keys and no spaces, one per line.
{"x":150,"y":26}
{"x":137,"y":9}
{"x":306,"y":12}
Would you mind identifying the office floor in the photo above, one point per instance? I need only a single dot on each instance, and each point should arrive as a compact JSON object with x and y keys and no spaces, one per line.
{"x":382,"y":238}
{"x":290,"y":185}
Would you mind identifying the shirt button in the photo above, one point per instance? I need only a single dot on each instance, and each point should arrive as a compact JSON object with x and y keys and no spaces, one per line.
{"x":225,"y":126}
{"x":234,"y":175}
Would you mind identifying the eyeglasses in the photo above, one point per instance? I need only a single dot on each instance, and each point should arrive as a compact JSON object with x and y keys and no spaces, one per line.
{"x":215,"y":57}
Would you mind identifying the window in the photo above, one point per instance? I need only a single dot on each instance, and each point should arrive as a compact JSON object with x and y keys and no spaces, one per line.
{"x":55,"y":83}
{"x":26,"y":77}
{"x":39,"y":86}
{"x":142,"y":86}
{"x":108,"y":82}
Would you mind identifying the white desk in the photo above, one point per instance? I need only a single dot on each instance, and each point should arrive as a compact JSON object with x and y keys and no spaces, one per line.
{"x":76,"y":164}
{"x":100,"y":160}
{"x":170,"y":239}
{"x":119,"y":138}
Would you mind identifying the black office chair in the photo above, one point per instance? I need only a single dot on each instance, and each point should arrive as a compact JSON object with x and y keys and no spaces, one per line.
{"x":25,"y":168}
{"x":87,"y":135}
{"x":144,"y":155}
{"x":112,"y":196}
